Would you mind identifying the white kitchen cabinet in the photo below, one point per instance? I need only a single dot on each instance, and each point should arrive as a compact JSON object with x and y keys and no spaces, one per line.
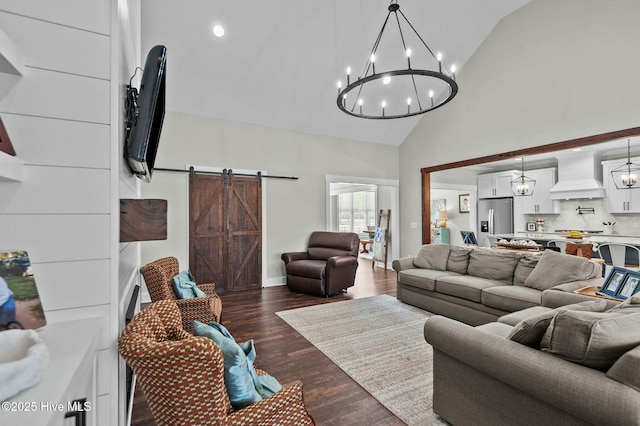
{"x":66,"y":395}
{"x":495,"y":185}
{"x":540,"y":202}
{"x":619,"y":200}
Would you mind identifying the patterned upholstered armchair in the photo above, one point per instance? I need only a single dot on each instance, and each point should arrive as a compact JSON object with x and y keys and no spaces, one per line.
{"x":158,"y":276}
{"x":182,"y":376}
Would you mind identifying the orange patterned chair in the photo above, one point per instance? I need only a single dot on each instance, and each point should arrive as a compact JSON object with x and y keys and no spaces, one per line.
{"x":158,"y":276}
{"x":182,"y":376}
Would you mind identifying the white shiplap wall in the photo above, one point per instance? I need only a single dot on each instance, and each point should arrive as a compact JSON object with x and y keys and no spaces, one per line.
{"x":63,"y":116}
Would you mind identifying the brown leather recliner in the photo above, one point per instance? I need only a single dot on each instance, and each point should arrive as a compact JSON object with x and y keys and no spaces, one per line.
{"x":327,"y":267}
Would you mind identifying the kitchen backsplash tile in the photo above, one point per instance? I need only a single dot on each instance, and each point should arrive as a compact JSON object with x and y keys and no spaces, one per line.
{"x":625,"y":224}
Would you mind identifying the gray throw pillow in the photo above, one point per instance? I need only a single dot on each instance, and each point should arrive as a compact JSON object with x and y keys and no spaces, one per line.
{"x":493,"y":265}
{"x":625,"y":370}
{"x":433,"y":256}
{"x":459,"y":259}
{"x":593,"y":339}
{"x":631,"y":303}
{"x":557,"y":268}
{"x":529,"y":331}
{"x":524,"y":268}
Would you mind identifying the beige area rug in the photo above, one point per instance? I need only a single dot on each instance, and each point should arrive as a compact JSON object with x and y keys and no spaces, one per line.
{"x":379,"y":342}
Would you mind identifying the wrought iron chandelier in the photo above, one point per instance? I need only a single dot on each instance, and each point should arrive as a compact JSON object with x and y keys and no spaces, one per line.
{"x":401,"y":90}
{"x":523,"y":186}
{"x":626,"y":175}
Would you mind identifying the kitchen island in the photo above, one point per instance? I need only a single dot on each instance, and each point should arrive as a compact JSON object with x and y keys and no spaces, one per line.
{"x":599,"y":238}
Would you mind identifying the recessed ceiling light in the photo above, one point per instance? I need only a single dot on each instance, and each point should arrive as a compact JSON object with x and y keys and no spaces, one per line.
{"x":576,"y":149}
{"x":218,"y":30}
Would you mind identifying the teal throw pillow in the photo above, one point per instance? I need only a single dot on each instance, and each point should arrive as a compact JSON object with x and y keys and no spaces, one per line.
{"x":244,"y":386}
{"x":184,"y":285}
{"x":238,"y":379}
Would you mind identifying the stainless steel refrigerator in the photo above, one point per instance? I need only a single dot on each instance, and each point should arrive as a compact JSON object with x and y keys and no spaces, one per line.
{"x":495,"y":216}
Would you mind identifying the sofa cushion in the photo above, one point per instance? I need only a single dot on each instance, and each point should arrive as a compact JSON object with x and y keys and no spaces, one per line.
{"x":525,"y":266}
{"x":422,"y":278}
{"x":307,"y":268}
{"x":433,"y":256}
{"x":496,"y":328}
{"x":464,"y":286}
{"x":459,"y":259}
{"x":557,"y":268}
{"x":515,"y":317}
{"x":530,"y":330}
{"x":593,"y":339}
{"x":511,"y":298}
{"x":625,"y":370}
{"x":493,"y":265}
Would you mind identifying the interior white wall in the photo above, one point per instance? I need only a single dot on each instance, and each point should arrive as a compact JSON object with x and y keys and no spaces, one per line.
{"x":127,"y":56}
{"x":549,"y":72}
{"x":62,"y":116}
{"x":457,"y":221}
{"x":295,"y":208}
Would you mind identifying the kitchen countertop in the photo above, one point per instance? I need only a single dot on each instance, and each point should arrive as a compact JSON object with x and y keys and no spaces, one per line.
{"x":595,"y":238}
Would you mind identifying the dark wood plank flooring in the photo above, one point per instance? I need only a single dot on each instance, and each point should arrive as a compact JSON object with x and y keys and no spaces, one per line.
{"x":331,"y":396}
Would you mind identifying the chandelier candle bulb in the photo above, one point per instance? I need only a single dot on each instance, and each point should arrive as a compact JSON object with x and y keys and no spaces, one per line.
{"x":408,"y":58}
{"x":348,"y":74}
{"x":360,"y":102}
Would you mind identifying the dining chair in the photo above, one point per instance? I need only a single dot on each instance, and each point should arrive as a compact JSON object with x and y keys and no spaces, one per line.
{"x":619,"y":254}
{"x":469,"y":238}
{"x":561,"y":244}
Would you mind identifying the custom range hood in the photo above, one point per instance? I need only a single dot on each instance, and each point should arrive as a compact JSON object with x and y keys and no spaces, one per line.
{"x":579,"y":176}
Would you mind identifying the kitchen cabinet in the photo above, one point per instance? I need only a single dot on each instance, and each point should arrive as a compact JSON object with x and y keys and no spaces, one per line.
{"x":619,"y":200}
{"x":66,"y":395}
{"x":495,"y":185}
{"x":540,"y":201}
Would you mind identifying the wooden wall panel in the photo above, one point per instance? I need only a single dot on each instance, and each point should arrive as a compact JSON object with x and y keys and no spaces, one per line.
{"x":58,"y":238}
{"x":66,"y":49}
{"x":51,"y":142}
{"x":58,"y":95}
{"x":65,"y":285}
{"x":57,"y":190}
{"x":93,"y":15}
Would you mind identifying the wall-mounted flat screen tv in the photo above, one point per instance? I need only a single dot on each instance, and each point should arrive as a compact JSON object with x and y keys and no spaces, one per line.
{"x":145,"y":114}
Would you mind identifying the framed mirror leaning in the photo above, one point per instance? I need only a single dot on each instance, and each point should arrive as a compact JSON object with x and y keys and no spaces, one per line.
{"x":542,"y":149}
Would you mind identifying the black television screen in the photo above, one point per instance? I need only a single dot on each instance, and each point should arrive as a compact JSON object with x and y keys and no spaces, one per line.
{"x":146,"y":111}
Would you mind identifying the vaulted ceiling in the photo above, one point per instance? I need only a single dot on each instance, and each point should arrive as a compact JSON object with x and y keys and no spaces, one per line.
{"x":278,"y":63}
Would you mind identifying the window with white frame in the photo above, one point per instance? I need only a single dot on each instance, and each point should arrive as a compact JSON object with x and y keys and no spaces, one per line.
{"x":357,"y":211}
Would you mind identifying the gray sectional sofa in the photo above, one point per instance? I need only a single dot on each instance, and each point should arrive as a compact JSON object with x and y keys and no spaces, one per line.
{"x":479,"y":285}
{"x":574,"y":365}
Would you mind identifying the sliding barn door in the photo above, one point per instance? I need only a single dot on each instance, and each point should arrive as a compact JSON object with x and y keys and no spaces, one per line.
{"x":225,"y":231}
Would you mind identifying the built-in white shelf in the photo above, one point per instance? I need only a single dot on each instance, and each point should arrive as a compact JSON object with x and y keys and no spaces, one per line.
{"x":11,"y":60}
{"x":70,"y":374}
{"x":11,"y":168}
